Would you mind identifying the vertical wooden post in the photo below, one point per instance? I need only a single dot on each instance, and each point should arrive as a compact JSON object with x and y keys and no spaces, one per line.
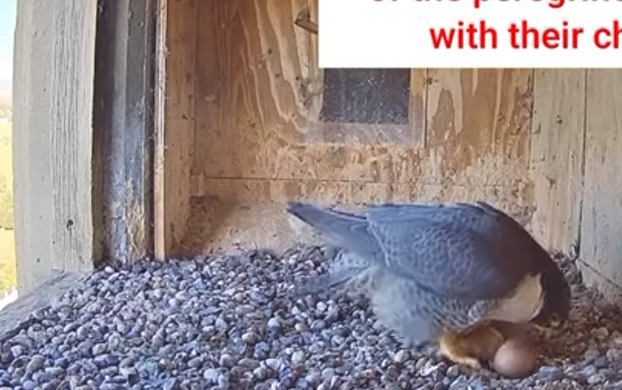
{"x":53,"y":98}
{"x":175,"y":122}
{"x":124,"y":127}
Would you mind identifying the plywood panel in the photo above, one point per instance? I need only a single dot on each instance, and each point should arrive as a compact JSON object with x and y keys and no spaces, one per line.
{"x":257,"y":75}
{"x":175,"y":121}
{"x":248,"y":191}
{"x":260,"y":136}
{"x":477,"y":148}
{"x":601,"y":226}
{"x":259,"y":93}
{"x":251,"y":212}
{"x":478,"y":125}
{"x":557,"y":141}
{"x":480,"y":113}
{"x":250,"y":65}
{"x":53,"y":138}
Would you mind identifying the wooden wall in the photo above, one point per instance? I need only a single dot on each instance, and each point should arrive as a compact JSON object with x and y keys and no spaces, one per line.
{"x":255,"y":70}
{"x":601,"y":217}
{"x":53,"y":139}
{"x":245,"y":100}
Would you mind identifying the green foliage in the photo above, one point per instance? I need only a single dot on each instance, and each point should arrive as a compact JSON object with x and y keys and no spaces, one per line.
{"x":6,"y":110}
{"x":6,"y":209}
{"x":6,"y":177}
{"x":8,"y":271}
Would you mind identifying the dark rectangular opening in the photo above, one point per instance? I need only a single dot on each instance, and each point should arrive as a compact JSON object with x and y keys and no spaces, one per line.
{"x":374,"y":96}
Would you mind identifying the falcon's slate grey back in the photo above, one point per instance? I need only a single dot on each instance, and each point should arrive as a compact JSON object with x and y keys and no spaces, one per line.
{"x":434,"y":267}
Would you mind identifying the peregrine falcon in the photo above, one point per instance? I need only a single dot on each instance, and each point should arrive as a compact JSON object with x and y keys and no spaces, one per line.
{"x":435,"y":271}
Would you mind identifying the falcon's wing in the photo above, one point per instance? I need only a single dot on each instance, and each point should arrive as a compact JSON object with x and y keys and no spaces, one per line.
{"x":459,"y":250}
{"x":341,"y":229}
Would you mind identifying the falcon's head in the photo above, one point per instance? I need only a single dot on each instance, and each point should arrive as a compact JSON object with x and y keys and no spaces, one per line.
{"x":556,"y":297}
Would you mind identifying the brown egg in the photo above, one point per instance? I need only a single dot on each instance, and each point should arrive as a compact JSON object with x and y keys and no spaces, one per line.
{"x":516,"y":358}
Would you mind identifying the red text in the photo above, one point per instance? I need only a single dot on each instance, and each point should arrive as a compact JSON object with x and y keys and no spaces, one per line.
{"x":608,"y":38}
{"x":523,"y":36}
{"x":471,"y":35}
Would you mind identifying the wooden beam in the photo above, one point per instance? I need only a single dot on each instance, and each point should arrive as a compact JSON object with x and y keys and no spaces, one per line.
{"x":175,"y":122}
{"x":124,"y":127}
{"x":17,"y":316}
{"x":53,"y":99}
{"x":601,"y":228}
{"x":557,"y":140}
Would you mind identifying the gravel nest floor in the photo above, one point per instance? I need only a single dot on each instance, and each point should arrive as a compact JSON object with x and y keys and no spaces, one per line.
{"x":227,"y":321}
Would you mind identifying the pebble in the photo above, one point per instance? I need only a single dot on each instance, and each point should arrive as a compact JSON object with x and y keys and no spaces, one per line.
{"x":298,"y":357}
{"x":274,"y":323}
{"x":99,"y":349}
{"x":401,"y":356}
{"x":36,"y":363}
{"x":227,"y":321}
{"x":211,"y":375}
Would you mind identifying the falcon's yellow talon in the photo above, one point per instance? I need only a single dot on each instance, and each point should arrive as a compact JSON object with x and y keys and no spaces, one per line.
{"x":450,"y":347}
{"x":472,"y":346}
{"x":469,"y":362}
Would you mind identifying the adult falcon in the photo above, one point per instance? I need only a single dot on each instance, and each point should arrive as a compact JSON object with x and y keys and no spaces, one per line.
{"x":435,"y":271}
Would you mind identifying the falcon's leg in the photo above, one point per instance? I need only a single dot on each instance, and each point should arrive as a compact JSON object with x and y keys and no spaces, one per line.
{"x":451,"y":347}
{"x":472,"y":346}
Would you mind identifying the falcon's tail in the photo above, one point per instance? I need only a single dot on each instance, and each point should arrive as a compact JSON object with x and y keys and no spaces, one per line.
{"x":337,"y":228}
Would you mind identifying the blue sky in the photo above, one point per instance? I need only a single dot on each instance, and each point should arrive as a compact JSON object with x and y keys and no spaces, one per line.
{"x":8,"y":9}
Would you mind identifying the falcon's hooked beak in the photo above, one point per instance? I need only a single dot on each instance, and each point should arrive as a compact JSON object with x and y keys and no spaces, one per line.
{"x":553,"y":314}
{"x":552,"y":327}
{"x":547,"y":333}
